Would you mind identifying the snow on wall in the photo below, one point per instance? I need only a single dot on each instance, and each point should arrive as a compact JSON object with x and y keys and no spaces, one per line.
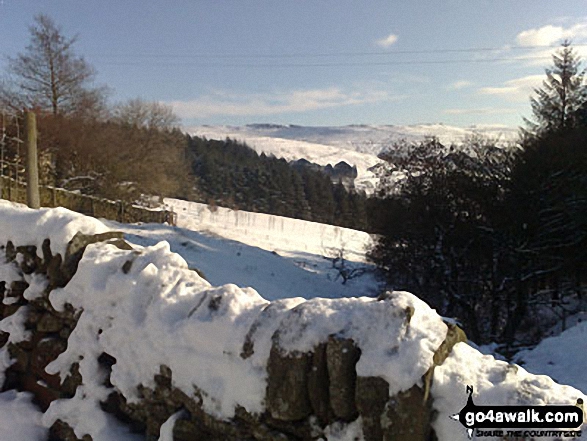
{"x":31,"y":227}
{"x":145,"y":308}
{"x":495,"y":382}
{"x":273,"y":233}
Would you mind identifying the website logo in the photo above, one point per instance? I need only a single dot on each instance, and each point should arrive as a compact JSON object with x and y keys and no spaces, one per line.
{"x":543,"y":420}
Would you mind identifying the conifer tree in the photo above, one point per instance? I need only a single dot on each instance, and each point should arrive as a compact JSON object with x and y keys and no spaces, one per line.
{"x":558,"y":103}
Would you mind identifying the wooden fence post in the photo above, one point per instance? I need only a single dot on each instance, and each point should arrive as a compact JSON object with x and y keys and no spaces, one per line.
{"x":32,"y":171}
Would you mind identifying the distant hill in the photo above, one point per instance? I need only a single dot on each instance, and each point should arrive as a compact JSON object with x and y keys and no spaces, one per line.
{"x":357,"y":145}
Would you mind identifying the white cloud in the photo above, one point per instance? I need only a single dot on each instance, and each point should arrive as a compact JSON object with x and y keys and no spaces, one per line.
{"x":549,"y":35}
{"x":539,"y":44}
{"x":461,"y":84}
{"x":544,"y":36}
{"x":387,"y":41}
{"x":233,"y":104}
{"x":518,"y":89}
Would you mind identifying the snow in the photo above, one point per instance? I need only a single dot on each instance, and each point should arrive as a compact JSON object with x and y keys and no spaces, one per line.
{"x":270,"y":232}
{"x":14,"y":325}
{"x":8,"y":272}
{"x":397,"y":337}
{"x":149,"y":317}
{"x":166,"y":431}
{"x":345,"y":432}
{"x":371,"y":139}
{"x":292,"y":150}
{"x":20,"y":420}
{"x":357,"y":145}
{"x":495,"y":383}
{"x":277,"y":256}
{"x":563,"y":358}
{"x":160,"y":312}
{"x":32,"y":227}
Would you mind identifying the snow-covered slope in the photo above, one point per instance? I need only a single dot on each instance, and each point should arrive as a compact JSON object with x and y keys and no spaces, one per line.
{"x":273,"y":275}
{"x":272,"y":233}
{"x":280,"y":257}
{"x":292,"y":149}
{"x":371,"y":139}
{"x":563,"y":357}
{"x":357,"y":145}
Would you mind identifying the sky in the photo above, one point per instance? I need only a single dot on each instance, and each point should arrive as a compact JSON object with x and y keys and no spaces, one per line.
{"x":320,"y":62}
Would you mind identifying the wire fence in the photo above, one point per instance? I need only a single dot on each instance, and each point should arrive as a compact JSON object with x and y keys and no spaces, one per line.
{"x":13,"y":183}
{"x":11,"y":155}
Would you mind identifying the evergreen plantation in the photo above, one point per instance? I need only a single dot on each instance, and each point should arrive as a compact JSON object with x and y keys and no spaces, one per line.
{"x":232,"y":174}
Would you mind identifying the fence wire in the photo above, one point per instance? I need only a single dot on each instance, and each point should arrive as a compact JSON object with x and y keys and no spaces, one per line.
{"x":12,"y":170}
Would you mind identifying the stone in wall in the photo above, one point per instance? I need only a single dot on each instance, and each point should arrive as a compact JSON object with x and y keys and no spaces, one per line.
{"x":342,"y":355}
{"x":287,"y":385}
{"x":305,"y":391}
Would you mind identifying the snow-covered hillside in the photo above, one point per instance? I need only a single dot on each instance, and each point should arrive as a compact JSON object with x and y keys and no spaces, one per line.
{"x":272,"y":233}
{"x":563,"y":357}
{"x":357,"y":145}
{"x":291,"y":150}
{"x":371,"y":139}
{"x":280,"y":257}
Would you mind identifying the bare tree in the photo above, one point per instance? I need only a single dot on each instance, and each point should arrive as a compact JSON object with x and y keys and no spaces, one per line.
{"x":49,"y":76}
{"x":145,"y":114}
{"x":345,"y":270}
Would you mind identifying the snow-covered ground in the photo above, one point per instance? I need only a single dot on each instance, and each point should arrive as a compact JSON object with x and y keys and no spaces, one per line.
{"x":563,"y":357}
{"x":279,"y":257}
{"x":357,"y":145}
{"x":272,"y":233}
{"x":149,"y":317}
{"x":276,"y":275}
{"x":20,"y":419}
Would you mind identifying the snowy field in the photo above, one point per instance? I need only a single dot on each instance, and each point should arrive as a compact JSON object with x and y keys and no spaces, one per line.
{"x":236,"y":251}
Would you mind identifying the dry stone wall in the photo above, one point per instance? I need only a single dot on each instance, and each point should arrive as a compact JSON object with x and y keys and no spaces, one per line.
{"x":306,"y":391}
{"x":89,"y":205}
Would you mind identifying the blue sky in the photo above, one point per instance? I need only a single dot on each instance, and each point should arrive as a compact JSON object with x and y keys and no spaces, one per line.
{"x":320,"y":62}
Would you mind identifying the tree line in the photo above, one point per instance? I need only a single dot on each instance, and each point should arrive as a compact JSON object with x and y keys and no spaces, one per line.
{"x":232,"y":174}
{"x":497,"y":237}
